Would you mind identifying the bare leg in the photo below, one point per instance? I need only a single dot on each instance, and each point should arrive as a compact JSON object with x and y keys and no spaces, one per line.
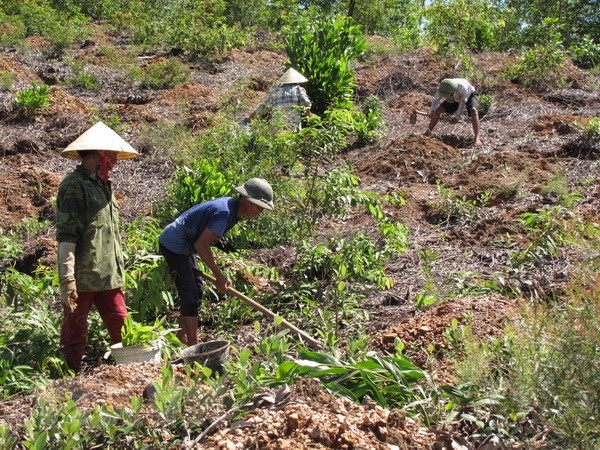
{"x":435,"y":117}
{"x":475,"y":123}
{"x":189,"y":330}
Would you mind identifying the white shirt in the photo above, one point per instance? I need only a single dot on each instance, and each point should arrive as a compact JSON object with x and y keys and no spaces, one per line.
{"x":462,"y":94}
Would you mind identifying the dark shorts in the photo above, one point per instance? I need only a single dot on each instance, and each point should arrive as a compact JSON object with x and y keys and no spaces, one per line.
{"x":452,"y":107}
{"x":188,"y":280}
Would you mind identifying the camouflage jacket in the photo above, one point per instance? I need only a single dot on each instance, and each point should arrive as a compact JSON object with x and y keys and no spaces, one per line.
{"x":88,"y":216}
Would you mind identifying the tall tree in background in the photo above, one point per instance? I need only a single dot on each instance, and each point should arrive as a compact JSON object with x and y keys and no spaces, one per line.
{"x":524,"y":19}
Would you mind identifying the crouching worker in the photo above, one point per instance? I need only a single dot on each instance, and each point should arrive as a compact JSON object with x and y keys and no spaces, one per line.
{"x":458,"y":94}
{"x":90,"y":261}
{"x":193,"y":232}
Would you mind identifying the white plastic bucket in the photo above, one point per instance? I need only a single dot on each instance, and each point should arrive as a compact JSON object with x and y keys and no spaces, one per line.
{"x":135,"y":353}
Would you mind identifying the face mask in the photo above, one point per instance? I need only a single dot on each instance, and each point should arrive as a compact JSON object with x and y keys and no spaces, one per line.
{"x":106,"y":164}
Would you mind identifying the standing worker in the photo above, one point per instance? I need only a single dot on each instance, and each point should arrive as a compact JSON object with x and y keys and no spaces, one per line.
{"x":193,"y":232}
{"x":90,"y":261}
{"x":458,"y":94}
{"x":288,"y":98}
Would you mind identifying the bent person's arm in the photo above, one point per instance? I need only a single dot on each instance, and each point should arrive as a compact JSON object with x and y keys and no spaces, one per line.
{"x":202,"y":247}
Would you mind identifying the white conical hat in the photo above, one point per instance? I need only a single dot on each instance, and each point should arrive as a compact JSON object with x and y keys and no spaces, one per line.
{"x":292,"y":76}
{"x":100,"y":137}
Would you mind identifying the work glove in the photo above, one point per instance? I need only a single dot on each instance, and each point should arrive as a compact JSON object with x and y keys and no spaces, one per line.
{"x":66,"y":275}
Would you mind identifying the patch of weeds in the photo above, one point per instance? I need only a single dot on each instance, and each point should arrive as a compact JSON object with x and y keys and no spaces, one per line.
{"x":162,"y":74}
{"x":430,"y":296}
{"x":469,"y":283}
{"x":115,"y":59}
{"x":111,"y":117}
{"x":485,"y":104}
{"x":32,"y":100}
{"x":453,"y":209}
{"x":557,"y":187}
{"x":511,"y":189}
{"x":378,"y":49}
{"x":10,"y":247}
{"x":546,"y":229}
{"x":554,"y":365}
{"x":170,"y":141}
{"x":457,"y":332}
{"x":13,"y":32}
{"x":7,"y":78}
{"x":82,"y":77}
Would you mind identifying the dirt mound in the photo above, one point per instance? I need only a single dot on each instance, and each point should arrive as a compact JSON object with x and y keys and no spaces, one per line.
{"x":61,"y":102}
{"x":314,"y":419}
{"x":558,"y":124}
{"x":415,"y":158}
{"x":484,"y":316}
{"x":309,"y":418}
{"x":26,"y":190}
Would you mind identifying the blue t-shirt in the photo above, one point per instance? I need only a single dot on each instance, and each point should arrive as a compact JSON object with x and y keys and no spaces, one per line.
{"x":217,"y":215}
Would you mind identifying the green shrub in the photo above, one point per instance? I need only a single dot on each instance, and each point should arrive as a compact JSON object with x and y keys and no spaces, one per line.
{"x":321,"y":50}
{"x":457,"y":26}
{"x":164,"y":74}
{"x":586,"y":53}
{"x":7,"y":79}
{"x":29,"y":347}
{"x":540,"y":64}
{"x":368,"y":124}
{"x":148,"y":283}
{"x":485,"y":104}
{"x":33,"y":100}
{"x":198,"y":28}
{"x":546,"y":231}
{"x":591,"y":128}
{"x":555,"y":363}
{"x":60,"y":26}
{"x":202,"y":180}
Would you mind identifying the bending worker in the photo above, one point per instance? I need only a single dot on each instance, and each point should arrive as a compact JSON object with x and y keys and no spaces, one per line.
{"x":193,"y":232}
{"x":458,"y":94}
{"x":288,"y":98}
{"x":90,"y":261}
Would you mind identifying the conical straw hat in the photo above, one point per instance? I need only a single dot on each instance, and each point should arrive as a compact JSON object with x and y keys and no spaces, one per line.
{"x":292,"y":76}
{"x":100,"y":137}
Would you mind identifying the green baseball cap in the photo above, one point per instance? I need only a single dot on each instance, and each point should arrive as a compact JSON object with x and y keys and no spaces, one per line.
{"x":447,"y":87}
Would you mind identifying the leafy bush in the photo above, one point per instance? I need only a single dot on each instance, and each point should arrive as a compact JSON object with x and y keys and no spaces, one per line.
{"x":201,"y":181}
{"x":540,"y":64}
{"x":555,"y":363}
{"x":29,"y":345}
{"x":485,"y":104}
{"x":196,"y":27}
{"x":34,"y":99}
{"x":546,"y":229}
{"x":321,"y":261}
{"x":148,"y":283}
{"x":456,"y":26}
{"x":453,"y":209}
{"x":368,"y":124}
{"x":321,"y":50}
{"x":60,"y":26}
{"x":385,"y":379}
{"x":162,"y":75}
{"x":7,"y":79}
{"x":586,"y":53}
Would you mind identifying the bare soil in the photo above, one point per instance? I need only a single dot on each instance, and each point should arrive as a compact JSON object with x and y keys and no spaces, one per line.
{"x":529,"y":136}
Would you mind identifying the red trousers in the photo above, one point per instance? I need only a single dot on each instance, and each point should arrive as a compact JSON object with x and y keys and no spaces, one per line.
{"x":74,"y":333}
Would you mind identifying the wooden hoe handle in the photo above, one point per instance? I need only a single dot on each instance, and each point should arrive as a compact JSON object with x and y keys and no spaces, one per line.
{"x":313,"y":343}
